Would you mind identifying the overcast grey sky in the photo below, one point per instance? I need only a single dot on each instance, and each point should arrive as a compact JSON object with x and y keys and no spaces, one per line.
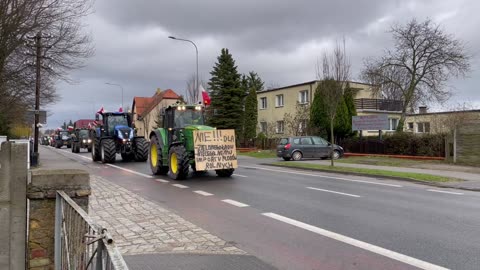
{"x":280,"y":40}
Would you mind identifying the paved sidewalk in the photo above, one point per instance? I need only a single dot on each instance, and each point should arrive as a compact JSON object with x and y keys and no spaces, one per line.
{"x":140,"y":226}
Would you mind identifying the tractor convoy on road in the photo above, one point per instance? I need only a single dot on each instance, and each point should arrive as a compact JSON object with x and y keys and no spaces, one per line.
{"x":181,"y":143}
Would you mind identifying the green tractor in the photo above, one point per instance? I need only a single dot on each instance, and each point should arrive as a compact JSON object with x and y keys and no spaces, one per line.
{"x":172,"y":146}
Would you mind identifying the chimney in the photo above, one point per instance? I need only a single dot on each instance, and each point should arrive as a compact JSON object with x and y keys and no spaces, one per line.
{"x":422,"y":109}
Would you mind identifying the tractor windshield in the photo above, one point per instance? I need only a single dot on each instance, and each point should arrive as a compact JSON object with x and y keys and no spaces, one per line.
{"x":83,"y":133}
{"x":116,"y":120}
{"x":63,"y":135}
{"x":188,"y":117}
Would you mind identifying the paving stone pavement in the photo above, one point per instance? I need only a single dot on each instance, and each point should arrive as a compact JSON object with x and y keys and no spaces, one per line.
{"x":140,"y":226}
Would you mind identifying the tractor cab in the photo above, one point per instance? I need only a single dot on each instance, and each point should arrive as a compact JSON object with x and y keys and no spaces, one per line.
{"x":114,"y":123}
{"x":180,"y":116}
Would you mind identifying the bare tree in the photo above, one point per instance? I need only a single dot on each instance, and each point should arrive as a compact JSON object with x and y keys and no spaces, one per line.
{"x":65,"y":47}
{"x":334,"y":75}
{"x":296,"y":124}
{"x":416,"y":70}
{"x":190,"y":92}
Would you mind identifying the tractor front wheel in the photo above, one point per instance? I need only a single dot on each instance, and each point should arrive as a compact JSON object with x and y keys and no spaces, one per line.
{"x":141,"y":149}
{"x":178,"y":161}
{"x":224,"y":172}
{"x":156,"y":157}
{"x":108,"y":151}
{"x":96,"y":149}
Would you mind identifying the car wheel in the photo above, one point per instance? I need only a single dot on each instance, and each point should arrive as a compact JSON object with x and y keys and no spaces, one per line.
{"x":297,"y":156}
{"x":336,"y":154}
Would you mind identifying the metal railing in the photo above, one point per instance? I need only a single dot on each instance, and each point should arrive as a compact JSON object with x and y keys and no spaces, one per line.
{"x":378,"y":104}
{"x":79,"y":242}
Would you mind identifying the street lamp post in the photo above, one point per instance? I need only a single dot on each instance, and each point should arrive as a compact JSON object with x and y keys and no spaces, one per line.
{"x":196,"y":51}
{"x":120,"y":87}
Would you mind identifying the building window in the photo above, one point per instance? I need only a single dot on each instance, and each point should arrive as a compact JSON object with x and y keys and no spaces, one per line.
{"x":263,"y":127}
{"x":263,"y":103}
{"x":280,"y":127}
{"x":303,"y":97}
{"x":410,"y":125}
{"x":279,"y":101}
{"x":393,"y":123}
{"x":423,"y":127}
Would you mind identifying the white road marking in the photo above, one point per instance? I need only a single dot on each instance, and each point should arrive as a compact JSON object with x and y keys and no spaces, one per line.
{"x":162,"y":181}
{"x":232,"y":202}
{"x":357,"y":243}
{"x":324,"y":176}
{"x":336,"y":192}
{"x":130,"y":171}
{"x":203,"y":193}
{"x":442,"y":191}
{"x":179,"y":186}
{"x":239,"y":175}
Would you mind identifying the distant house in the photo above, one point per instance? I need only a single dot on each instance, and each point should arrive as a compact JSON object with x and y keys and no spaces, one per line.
{"x":437,"y":122}
{"x":146,"y":110}
{"x":275,"y":104}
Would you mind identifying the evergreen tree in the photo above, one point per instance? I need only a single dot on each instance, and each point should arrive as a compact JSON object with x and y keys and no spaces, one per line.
{"x":226,"y":93}
{"x":343,"y":120}
{"x":70,"y":123}
{"x":254,"y":84}
{"x":350,"y":102}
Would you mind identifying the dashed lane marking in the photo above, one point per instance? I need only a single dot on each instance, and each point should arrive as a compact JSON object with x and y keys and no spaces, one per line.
{"x":336,"y":192}
{"x":235,"y":203}
{"x":203,"y":193}
{"x":443,"y":191}
{"x":239,"y":175}
{"x":180,"y":186}
{"x":357,"y":243}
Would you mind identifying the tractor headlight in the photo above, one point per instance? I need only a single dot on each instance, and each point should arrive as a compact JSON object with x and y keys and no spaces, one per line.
{"x":84,"y":141}
{"x":124,"y":140}
{"x":89,"y":141}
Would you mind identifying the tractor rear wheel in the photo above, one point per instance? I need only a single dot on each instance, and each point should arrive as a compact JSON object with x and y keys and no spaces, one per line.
{"x":178,"y":162}
{"x":108,"y":151}
{"x":141,"y":149}
{"x":224,"y":172}
{"x":156,"y":157}
{"x":95,"y":149}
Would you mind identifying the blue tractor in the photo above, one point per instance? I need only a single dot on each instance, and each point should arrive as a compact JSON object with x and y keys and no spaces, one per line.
{"x":114,"y":134}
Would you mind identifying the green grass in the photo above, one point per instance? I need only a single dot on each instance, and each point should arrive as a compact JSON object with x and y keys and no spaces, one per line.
{"x":260,"y":154}
{"x":407,"y":175}
{"x":386,"y":161}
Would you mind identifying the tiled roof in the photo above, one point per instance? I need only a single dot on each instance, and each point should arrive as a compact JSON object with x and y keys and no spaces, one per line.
{"x":145,"y":104}
{"x":141,"y":103}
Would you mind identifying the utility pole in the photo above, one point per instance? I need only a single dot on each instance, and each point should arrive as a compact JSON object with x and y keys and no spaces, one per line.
{"x":38,"y":66}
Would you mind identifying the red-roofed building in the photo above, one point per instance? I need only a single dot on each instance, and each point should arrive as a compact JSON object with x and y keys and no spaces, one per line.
{"x":146,"y":110}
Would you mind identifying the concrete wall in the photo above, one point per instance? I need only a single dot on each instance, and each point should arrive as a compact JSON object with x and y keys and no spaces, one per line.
{"x":13,"y":205}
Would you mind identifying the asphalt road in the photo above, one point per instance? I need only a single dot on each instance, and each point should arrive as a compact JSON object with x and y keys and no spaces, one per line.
{"x":307,"y":220}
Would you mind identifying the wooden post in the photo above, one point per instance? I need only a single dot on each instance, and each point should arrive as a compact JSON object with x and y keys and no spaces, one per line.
{"x":455,"y":145}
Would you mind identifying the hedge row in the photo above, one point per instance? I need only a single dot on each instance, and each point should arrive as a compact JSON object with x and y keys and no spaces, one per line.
{"x":398,"y":144}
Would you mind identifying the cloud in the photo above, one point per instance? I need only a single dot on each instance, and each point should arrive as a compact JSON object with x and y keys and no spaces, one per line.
{"x":280,"y":40}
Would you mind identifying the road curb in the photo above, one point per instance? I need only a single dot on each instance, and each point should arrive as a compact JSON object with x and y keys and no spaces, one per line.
{"x":432,"y":184}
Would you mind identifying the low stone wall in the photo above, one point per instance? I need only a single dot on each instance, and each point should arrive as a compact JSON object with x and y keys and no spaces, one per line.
{"x":42,"y":193}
